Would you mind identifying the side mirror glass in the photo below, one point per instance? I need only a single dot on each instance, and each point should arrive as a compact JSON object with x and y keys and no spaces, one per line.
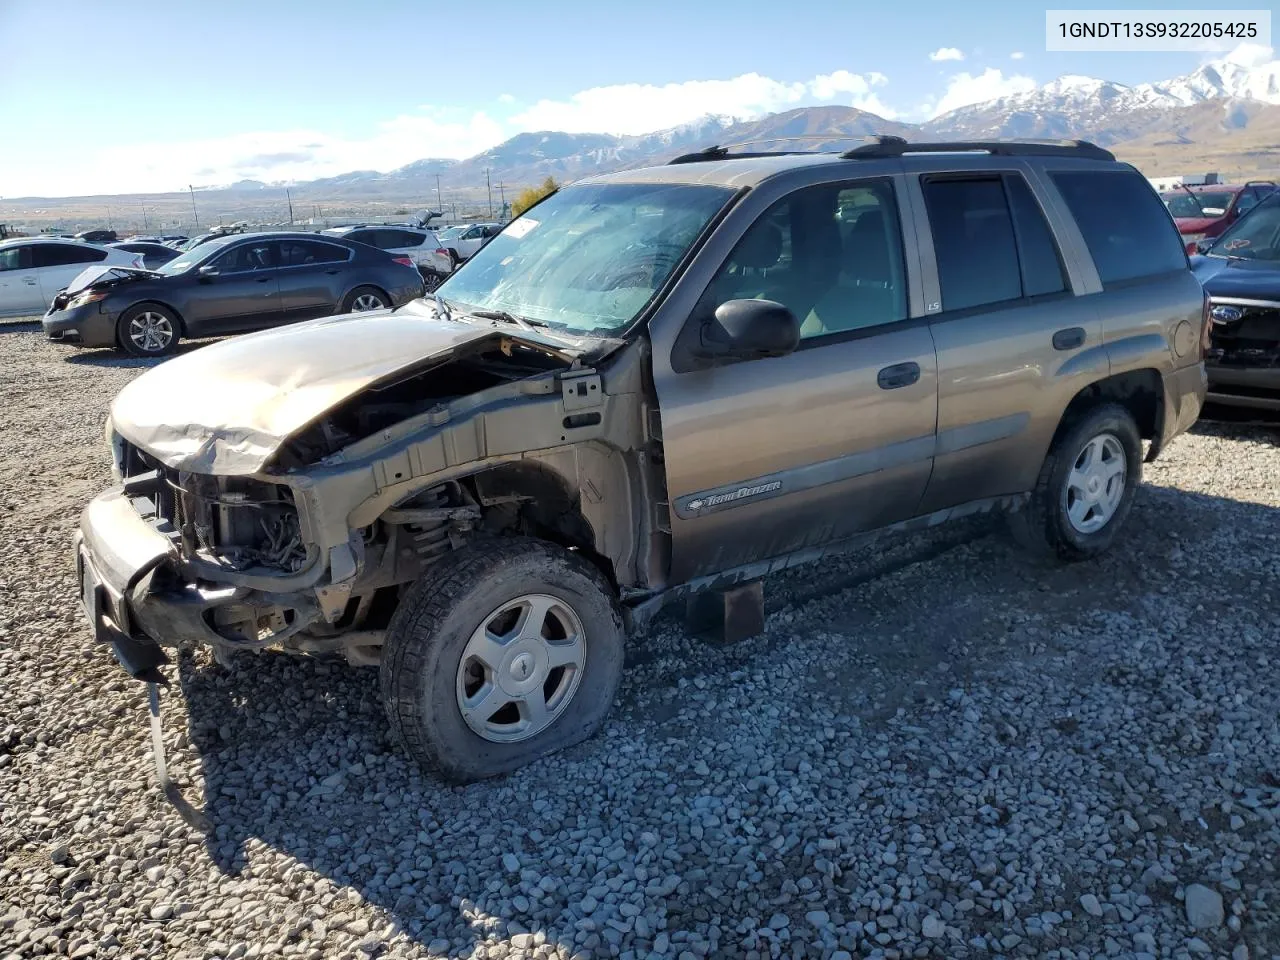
{"x":749,"y":330}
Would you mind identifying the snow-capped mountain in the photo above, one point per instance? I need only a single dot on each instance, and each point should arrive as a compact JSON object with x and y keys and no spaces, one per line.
{"x":1076,"y":106}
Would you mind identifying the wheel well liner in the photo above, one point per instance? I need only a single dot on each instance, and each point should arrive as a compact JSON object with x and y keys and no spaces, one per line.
{"x":544,"y":503}
{"x":1141,"y":392}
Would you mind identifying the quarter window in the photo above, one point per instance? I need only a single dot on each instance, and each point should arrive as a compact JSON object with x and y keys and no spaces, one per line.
{"x":831,"y":253}
{"x":1127,"y":230}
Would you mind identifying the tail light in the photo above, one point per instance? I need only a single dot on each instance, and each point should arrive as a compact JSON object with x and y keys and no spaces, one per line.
{"x":1206,"y":325}
{"x":139,"y":263}
{"x":442,"y":252}
{"x":406,"y":261}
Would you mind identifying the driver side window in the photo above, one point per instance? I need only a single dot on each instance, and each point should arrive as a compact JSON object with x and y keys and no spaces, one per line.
{"x":245,"y":258}
{"x":830,"y":253}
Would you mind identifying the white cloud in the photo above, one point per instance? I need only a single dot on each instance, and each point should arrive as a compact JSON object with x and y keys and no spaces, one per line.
{"x":829,"y":86}
{"x":947,"y":53}
{"x":1250,"y":55}
{"x":635,"y":108}
{"x":1017,"y":55}
{"x":964,"y":89}
{"x":282,"y":155}
{"x":506,"y":98}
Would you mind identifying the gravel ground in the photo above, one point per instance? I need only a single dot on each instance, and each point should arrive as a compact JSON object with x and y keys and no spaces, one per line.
{"x":936,"y":750}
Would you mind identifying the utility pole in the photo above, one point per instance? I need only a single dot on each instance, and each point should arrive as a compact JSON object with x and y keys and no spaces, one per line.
{"x":109,"y":216}
{"x":503,"y":195}
{"x":439,"y":202}
{"x":146,"y":227}
{"x":289,"y":197}
{"x":193,"y":206}
{"x":489,"y":187}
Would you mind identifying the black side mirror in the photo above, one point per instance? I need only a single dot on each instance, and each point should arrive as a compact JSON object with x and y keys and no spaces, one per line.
{"x":749,"y":330}
{"x":208,"y":272}
{"x":1202,"y":246}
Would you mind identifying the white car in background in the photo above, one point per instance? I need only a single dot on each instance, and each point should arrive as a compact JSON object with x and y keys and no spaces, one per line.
{"x":463,"y":241}
{"x":34,"y":269}
{"x":419,"y":244}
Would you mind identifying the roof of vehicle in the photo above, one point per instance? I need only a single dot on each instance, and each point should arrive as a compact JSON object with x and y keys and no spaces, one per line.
{"x":1216,"y":187}
{"x":80,"y":243}
{"x":720,"y":166}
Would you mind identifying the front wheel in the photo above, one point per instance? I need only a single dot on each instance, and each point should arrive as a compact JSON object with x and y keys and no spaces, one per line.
{"x":148,"y":330}
{"x":1086,"y":487}
{"x":511,"y":650}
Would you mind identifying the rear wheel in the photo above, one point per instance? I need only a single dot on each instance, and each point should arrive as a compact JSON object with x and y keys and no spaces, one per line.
{"x":511,"y":650}
{"x":1086,"y":487}
{"x":148,"y":330}
{"x":363,"y":299}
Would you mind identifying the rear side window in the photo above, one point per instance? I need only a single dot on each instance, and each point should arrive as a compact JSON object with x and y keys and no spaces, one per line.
{"x":363,"y":236}
{"x":973,"y":242}
{"x":296,"y":253}
{"x":1127,"y":229}
{"x":65,"y":254}
{"x":401,"y":239}
{"x":1037,"y":253}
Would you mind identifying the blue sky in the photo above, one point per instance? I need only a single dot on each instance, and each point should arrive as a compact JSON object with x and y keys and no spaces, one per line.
{"x":95,"y":98}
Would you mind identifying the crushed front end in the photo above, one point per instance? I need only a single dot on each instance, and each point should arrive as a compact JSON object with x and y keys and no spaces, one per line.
{"x":1243,"y":361}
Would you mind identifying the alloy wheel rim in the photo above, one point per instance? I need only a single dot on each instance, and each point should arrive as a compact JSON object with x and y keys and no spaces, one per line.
{"x":150,"y":332}
{"x":521,"y":668}
{"x":1096,"y":483}
{"x":367,"y":301}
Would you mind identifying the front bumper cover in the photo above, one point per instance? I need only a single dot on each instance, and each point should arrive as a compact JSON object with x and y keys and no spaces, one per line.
{"x":131,"y":590}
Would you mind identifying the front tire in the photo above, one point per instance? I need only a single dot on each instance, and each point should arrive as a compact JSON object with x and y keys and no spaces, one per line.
{"x":148,"y":330}
{"x":511,"y":650}
{"x":1085,"y":489}
{"x":364,"y":299}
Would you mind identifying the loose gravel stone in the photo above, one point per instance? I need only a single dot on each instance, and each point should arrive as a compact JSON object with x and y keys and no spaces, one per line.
{"x":1204,"y":907}
{"x":937,"y":748}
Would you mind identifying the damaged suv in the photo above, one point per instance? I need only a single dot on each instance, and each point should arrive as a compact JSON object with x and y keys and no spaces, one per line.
{"x":656,"y":384}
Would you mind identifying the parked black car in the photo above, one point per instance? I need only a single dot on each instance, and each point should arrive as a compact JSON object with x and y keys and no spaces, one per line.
{"x":154,"y":254}
{"x":228,"y":285}
{"x":1241,"y":273}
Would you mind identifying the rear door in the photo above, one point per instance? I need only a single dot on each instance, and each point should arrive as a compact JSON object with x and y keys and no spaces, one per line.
{"x":20,"y":293}
{"x":244,"y":294}
{"x":769,"y":457}
{"x":57,"y":264}
{"x":1014,"y":341}
{"x":314,"y":276}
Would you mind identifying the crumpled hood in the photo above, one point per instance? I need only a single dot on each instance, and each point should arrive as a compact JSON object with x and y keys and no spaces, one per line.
{"x":1238,"y":279}
{"x":226,"y":408}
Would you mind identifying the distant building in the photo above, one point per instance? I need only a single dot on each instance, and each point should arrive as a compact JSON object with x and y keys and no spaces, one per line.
{"x":1186,"y":179}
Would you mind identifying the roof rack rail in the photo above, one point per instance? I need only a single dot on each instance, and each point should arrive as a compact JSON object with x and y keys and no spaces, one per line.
{"x":882,"y":147}
{"x":721,"y":151}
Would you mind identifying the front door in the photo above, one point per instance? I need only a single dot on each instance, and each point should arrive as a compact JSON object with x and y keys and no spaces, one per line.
{"x":19,"y":285}
{"x":243,"y":294}
{"x":312,"y":278}
{"x":769,"y":457}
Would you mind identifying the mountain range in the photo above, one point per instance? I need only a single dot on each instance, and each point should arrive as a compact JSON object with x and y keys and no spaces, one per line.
{"x":1223,"y":116}
{"x":1222,"y":110}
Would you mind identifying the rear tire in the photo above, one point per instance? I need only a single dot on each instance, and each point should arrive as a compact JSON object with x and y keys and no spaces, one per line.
{"x":148,"y":330}
{"x":1085,"y":489}
{"x":475,"y":685}
{"x":364,"y":299}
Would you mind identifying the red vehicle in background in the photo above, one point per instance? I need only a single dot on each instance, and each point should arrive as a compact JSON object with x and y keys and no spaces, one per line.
{"x":1202,"y":212}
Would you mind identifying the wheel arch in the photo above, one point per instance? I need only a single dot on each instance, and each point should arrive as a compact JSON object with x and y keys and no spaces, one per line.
{"x":350,"y":295}
{"x":1140,"y":392}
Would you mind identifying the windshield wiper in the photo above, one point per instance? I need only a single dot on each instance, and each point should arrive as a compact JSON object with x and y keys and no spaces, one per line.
{"x":1194,"y":198}
{"x":507,"y":318}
